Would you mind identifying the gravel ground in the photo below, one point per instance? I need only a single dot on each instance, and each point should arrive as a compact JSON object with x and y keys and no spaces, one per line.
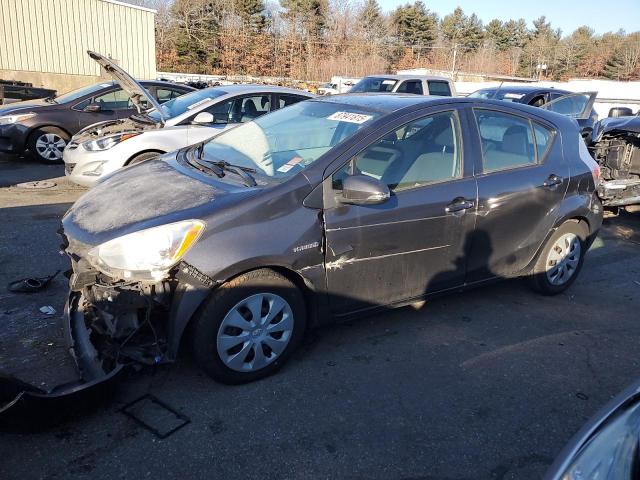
{"x":490,"y":383}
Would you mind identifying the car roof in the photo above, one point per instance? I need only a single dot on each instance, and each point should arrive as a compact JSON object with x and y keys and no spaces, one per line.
{"x":388,"y":103}
{"x":251,"y":88}
{"x":412,"y":77}
{"x":523,"y":89}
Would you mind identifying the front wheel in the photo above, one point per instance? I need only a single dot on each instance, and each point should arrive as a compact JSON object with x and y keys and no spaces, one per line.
{"x":143,"y":157}
{"x":249,"y":327}
{"x":560,"y":261}
{"x":46,"y":144}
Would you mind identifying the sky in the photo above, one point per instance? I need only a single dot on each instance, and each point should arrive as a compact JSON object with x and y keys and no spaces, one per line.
{"x":601,"y":15}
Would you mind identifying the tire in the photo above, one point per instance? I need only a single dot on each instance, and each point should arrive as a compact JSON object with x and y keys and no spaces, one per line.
{"x":227,"y":315}
{"x":561,"y":259}
{"x":47,"y":143}
{"x":141,"y":157}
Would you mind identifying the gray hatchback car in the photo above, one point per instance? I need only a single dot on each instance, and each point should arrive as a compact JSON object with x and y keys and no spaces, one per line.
{"x":325,"y":210}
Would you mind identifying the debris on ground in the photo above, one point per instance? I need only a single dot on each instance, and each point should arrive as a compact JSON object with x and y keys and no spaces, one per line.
{"x":48,"y":310}
{"x":31,"y":285}
{"x":37,"y":185}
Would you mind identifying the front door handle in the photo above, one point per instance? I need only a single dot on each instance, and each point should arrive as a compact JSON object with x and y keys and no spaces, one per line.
{"x":459,"y":204}
{"x":553,"y":181}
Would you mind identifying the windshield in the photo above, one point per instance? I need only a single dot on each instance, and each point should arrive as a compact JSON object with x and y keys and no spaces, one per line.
{"x":505,"y":95}
{"x":184,"y":103}
{"x":81,"y":92}
{"x":289,"y":140}
{"x":373,"y":84}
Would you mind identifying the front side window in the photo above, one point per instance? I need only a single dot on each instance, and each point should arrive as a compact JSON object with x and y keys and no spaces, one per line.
{"x":419,"y":153}
{"x":411,"y":86}
{"x":114,"y":100}
{"x":240,"y":109}
{"x":439,"y":88}
{"x":507,"y":140}
{"x":289,"y":139}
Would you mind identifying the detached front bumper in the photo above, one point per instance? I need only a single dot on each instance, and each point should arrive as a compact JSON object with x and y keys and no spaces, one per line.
{"x":16,"y":395}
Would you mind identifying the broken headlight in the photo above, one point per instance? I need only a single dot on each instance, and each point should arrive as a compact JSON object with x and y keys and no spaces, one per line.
{"x":147,"y":254}
{"x":107,"y":142}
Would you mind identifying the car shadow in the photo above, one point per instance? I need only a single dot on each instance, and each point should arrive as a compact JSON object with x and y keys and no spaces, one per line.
{"x":20,"y":169}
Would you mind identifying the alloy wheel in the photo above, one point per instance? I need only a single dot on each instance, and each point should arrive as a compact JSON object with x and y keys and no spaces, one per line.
{"x":563,"y":259}
{"x":50,"y":146}
{"x":255,"y":332}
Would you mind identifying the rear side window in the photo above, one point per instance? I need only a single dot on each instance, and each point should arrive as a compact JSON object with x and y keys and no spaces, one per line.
{"x":411,"y":86}
{"x":286,"y":100}
{"x":439,"y":88}
{"x":165,"y":94}
{"x":507,"y":140}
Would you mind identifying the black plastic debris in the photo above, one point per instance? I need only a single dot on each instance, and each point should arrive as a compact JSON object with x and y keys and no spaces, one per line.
{"x":31,"y":285}
{"x":156,"y":416}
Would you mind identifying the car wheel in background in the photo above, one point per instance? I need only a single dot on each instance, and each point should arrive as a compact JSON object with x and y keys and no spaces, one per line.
{"x":249,"y":327}
{"x":46,"y":144}
{"x":141,"y":157}
{"x":560,"y":261}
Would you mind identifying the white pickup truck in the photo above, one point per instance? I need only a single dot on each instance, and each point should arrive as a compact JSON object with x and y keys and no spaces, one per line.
{"x":416,"y":84}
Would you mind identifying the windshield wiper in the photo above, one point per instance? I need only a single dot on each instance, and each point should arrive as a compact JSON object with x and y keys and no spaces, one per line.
{"x":218,"y":167}
{"x":243,"y":172}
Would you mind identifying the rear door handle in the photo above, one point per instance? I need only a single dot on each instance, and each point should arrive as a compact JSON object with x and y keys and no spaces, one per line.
{"x":458,"y":205}
{"x":553,"y":181}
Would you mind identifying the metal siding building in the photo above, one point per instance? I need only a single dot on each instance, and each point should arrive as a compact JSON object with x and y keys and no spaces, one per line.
{"x":48,"y":39}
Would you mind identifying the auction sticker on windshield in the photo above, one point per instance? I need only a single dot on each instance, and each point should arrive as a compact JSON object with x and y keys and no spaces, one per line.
{"x":349,"y":117}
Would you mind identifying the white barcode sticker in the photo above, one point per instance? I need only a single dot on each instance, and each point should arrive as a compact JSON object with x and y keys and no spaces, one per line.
{"x":349,"y":117}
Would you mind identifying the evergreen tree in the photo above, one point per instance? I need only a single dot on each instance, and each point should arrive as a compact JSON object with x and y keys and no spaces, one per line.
{"x":372,"y":22}
{"x":415,"y":24}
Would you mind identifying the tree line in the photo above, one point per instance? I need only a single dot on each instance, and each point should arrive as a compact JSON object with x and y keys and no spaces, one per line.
{"x":315,"y":39}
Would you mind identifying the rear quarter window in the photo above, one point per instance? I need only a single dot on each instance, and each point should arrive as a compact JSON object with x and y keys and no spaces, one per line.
{"x":439,"y":88}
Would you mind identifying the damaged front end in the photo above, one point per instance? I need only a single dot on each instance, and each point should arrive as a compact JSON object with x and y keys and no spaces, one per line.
{"x":617,"y":151}
{"x":110,"y":323}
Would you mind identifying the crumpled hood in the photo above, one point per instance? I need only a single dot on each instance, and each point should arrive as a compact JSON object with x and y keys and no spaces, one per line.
{"x":151,"y":193}
{"x":630,"y":124}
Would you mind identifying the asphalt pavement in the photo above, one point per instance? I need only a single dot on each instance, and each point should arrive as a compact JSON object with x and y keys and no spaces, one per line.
{"x":490,"y":383}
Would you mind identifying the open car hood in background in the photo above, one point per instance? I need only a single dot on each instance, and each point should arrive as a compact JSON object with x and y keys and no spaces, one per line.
{"x":565,"y":106}
{"x":127,"y":82}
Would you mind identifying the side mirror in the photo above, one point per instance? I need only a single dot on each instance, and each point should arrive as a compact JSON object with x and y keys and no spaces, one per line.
{"x":617,"y":112}
{"x":363,"y":190}
{"x":203,"y":118}
{"x":92,"y":108}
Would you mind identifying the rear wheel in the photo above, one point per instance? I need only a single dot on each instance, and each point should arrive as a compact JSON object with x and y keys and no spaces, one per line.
{"x":46,"y":144}
{"x":249,"y":327}
{"x":560,"y":261}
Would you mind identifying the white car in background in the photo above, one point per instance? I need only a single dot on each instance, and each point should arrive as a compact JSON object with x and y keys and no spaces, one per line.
{"x":105,"y":147}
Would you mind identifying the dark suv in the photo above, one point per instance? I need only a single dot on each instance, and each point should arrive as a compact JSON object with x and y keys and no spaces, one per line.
{"x":43,"y":127}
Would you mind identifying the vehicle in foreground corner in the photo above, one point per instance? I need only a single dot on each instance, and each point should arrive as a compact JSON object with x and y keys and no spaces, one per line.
{"x":608,"y":446}
{"x":103,"y":148}
{"x":283,"y":223}
{"x":44,"y":127}
{"x":411,"y":84}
